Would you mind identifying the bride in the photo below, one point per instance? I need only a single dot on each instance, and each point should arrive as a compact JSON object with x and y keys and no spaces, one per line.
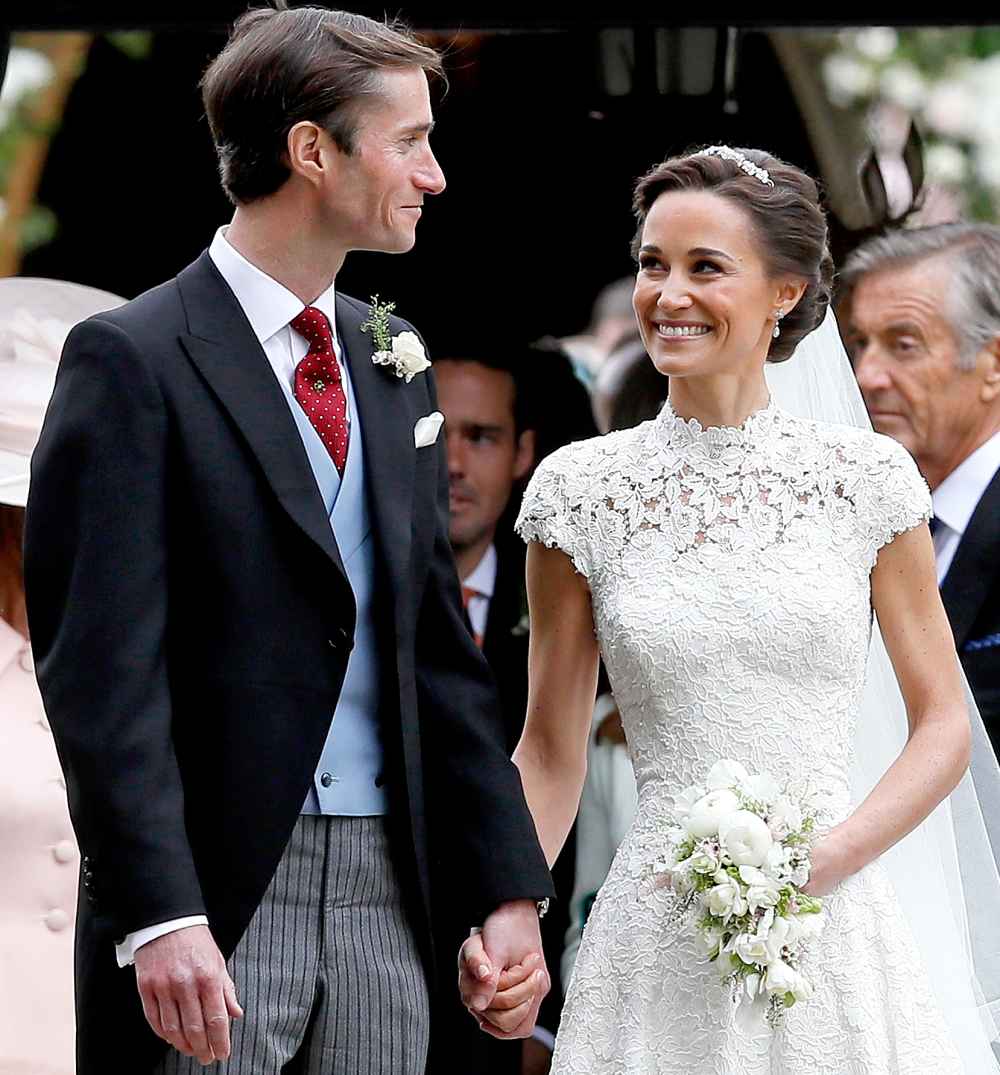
{"x":725,"y":559}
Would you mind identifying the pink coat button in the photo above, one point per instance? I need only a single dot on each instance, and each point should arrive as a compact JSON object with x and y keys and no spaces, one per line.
{"x":57,"y":920}
{"x":64,"y":851}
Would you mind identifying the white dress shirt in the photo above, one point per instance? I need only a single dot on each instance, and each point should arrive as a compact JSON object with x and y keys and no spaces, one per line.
{"x":269,"y":307}
{"x":957,"y":497}
{"x":483,"y":580}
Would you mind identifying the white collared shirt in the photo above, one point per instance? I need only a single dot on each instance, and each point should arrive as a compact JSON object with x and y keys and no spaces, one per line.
{"x":483,"y":580}
{"x":957,"y":497}
{"x":269,"y":307}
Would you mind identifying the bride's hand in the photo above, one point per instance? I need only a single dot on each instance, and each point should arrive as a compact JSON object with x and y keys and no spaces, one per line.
{"x":830,"y":864}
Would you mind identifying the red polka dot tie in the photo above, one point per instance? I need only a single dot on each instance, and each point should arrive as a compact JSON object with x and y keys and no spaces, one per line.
{"x":319,"y":387}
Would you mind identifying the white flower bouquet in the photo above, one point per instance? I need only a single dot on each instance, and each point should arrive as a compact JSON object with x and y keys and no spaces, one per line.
{"x":738,"y":858}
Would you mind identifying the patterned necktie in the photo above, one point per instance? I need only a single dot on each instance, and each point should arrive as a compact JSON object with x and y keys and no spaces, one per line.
{"x":319,"y":387}
{"x":468,"y":593}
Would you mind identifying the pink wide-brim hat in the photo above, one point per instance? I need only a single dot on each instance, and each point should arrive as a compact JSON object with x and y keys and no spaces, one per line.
{"x":36,"y":316}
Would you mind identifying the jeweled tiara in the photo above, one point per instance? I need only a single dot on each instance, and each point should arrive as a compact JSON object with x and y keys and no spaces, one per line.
{"x":741,"y":162}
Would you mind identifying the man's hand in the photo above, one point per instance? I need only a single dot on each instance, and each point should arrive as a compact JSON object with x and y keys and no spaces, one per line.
{"x":502,"y":976}
{"x":186,"y":992}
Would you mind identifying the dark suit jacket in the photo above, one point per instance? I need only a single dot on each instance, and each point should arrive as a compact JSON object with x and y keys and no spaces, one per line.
{"x":191,"y":622}
{"x":971,"y":596}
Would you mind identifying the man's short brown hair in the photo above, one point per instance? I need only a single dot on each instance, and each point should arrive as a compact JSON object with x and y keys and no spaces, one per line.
{"x":281,"y":67}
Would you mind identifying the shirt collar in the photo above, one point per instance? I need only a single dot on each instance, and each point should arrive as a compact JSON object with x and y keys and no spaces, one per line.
{"x":484,"y":575}
{"x":957,"y":497}
{"x":269,"y":306}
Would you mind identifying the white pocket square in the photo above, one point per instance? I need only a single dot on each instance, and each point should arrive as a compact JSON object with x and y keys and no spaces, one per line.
{"x":427,"y":428}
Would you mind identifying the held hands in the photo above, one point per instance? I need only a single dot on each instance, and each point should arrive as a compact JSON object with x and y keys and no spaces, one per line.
{"x":186,"y":992}
{"x":501,"y":971}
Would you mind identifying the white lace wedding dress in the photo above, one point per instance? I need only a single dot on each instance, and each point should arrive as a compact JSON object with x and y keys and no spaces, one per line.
{"x":729,"y":571}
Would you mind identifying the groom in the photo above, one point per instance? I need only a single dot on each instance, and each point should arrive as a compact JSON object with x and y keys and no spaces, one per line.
{"x":275,"y":728}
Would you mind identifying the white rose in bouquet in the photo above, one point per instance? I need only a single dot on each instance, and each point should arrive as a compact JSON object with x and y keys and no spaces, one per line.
{"x":726,"y":774}
{"x":705,"y":815}
{"x":762,"y":891}
{"x":725,"y":899}
{"x":751,"y":948}
{"x":745,"y":838}
{"x":781,"y":979}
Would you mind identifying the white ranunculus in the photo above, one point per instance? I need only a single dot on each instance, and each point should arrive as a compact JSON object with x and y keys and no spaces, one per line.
{"x":745,"y":838}
{"x":784,"y":817}
{"x":409,"y":354}
{"x":704,"y":816}
{"x":726,"y":899}
{"x":726,"y":774}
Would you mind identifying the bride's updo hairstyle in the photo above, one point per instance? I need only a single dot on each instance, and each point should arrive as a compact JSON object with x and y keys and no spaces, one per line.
{"x":784,"y":212}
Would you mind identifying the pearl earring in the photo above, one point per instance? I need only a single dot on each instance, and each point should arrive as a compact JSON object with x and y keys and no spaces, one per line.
{"x":778,"y":315}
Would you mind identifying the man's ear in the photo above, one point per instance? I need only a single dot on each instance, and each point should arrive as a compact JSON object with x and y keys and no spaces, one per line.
{"x":988,"y":364}
{"x":308,"y":151}
{"x":524,"y":460}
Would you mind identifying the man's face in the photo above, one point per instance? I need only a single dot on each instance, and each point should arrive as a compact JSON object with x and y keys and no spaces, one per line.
{"x":905,"y":354}
{"x":380,"y":188}
{"x":485,"y":456}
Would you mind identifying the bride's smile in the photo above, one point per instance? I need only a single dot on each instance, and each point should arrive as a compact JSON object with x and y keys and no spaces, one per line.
{"x":704,"y":298}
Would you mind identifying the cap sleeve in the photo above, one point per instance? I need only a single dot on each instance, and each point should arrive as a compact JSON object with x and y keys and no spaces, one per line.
{"x":895,"y":496}
{"x":553,"y":510}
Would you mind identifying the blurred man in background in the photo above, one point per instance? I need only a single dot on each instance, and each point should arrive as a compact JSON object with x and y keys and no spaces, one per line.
{"x":505,"y":406}
{"x":923,"y":329}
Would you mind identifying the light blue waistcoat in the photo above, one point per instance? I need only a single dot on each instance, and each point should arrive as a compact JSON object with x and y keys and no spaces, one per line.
{"x":352,"y":758}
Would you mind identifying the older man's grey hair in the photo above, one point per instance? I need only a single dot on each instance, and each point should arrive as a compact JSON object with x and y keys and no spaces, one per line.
{"x":974,"y":251}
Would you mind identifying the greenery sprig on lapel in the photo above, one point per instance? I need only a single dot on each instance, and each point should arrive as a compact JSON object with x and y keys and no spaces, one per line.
{"x":404,"y":353}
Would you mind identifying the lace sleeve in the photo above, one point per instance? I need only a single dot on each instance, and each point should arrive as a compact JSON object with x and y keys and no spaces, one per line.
{"x":894,"y":496}
{"x":554,"y":514}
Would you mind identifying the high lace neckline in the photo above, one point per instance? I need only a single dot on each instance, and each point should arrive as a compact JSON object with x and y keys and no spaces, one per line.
{"x":673,"y":430}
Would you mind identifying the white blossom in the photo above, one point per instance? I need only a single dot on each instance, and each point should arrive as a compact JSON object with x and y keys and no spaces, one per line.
{"x":902,"y":83}
{"x":27,"y":70}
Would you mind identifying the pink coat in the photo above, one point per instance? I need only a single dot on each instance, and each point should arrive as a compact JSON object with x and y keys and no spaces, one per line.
{"x":38,"y":879}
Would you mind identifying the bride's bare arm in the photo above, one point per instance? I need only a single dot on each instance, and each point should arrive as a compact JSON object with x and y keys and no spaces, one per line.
{"x":920,"y":644}
{"x":562,"y":682}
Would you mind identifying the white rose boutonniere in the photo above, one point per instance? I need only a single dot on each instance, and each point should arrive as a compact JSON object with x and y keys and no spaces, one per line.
{"x":404,"y":353}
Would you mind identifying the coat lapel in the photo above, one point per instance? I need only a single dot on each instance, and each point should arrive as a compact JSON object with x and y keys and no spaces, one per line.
{"x":965,"y":586}
{"x":387,"y":432}
{"x":223,"y":347}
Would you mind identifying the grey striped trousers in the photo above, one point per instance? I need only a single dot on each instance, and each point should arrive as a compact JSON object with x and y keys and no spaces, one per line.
{"x":328,"y":972}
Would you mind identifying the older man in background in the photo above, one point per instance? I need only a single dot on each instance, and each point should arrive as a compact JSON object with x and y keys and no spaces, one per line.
{"x":923,"y":329}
